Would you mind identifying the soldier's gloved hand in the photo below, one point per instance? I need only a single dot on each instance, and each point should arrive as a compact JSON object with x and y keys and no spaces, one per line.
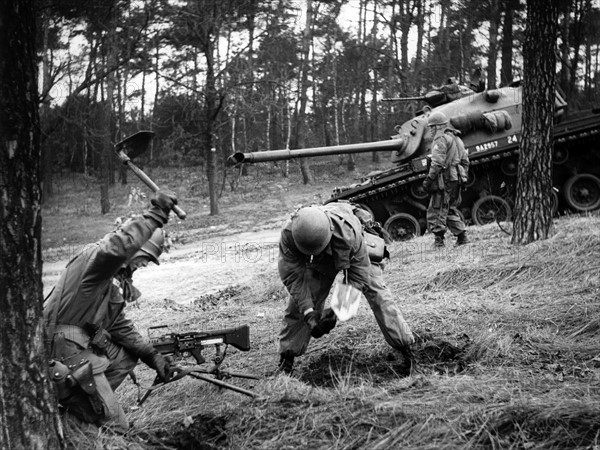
{"x":325,"y":325}
{"x":157,"y":362}
{"x":162,"y":203}
{"x":312,"y":319}
{"x":165,"y":200}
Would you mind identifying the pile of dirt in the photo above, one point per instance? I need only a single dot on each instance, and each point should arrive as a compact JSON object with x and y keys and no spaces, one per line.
{"x":201,"y":432}
{"x":346,"y":364}
{"x":437,"y":355}
{"x":217,"y":297}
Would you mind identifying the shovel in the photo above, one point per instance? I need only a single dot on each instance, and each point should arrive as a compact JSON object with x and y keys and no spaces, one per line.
{"x":345,"y":300}
{"x":135,"y":145}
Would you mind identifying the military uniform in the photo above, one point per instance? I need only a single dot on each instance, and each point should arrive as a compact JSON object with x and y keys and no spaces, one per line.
{"x":449,"y":167}
{"x":86,"y":321}
{"x":309,"y":279}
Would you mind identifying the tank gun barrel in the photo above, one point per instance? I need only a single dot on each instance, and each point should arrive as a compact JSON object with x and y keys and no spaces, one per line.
{"x":281,"y":155}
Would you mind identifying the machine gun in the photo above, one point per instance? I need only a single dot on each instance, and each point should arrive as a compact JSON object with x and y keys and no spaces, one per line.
{"x":192,"y":343}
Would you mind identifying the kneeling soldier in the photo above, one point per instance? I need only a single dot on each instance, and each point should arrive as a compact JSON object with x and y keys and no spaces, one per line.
{"x":93,"y":345}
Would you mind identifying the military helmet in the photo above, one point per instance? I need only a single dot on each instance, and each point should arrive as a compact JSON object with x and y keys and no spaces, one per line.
{"x":437,"y":118}
{"x":153,"y":246}
{"x":311,"y":230}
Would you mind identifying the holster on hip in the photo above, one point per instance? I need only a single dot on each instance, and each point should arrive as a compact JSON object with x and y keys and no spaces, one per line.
{"x":83,"y":376}
{"x":59,"y":374}
{"x":68,"y":378}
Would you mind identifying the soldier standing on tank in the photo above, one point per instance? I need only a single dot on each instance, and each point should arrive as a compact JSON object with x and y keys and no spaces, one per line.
{"x":448,"y":170}
{"x":92,"y":344}
{"x":316,"y":244}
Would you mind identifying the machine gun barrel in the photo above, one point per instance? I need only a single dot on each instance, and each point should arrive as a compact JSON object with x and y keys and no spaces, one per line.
{"x":281,"y":155}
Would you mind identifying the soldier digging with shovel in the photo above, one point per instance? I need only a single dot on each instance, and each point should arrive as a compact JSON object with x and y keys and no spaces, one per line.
{"x":92,"y":344}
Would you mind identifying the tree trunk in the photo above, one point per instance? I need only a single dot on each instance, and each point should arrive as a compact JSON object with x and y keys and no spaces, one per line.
{"x":211,"y":116}
{"x":28,"y":412}
{"x":576,"y":44}
{"x":564,"y":48}
{"x":588,"y":32}
{"x":47,"y":160}
{"x":374,"y":122}
{"x":533,"y":220}
{"x":417,"y":82}
{"x":105,"y":155}
{"x":157,"y":85}
{"x":493,"y":43}
{"x":122,"y":169}
{"x":405,"y":23}
{"x":444,"y":33}
{"x":307,"y":177}
{"x":107,"y":127}
{"x":507,"y":42}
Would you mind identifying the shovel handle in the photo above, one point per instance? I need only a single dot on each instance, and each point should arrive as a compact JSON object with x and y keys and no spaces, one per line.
{"x":153,"y":186}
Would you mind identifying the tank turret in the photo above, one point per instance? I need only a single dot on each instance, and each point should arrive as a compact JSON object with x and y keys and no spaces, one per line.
{"x":490,"y":127}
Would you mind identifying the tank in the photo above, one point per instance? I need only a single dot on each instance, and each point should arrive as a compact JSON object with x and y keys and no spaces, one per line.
{"x":490,"y":126}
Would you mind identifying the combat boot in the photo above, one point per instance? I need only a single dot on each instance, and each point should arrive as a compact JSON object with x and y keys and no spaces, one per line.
{"x":462,"y":238}
{"x":439,"y":240}
{"x":286,"y":363}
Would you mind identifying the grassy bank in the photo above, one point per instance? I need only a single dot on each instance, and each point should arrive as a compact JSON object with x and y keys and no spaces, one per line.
{"x":508,"y":347}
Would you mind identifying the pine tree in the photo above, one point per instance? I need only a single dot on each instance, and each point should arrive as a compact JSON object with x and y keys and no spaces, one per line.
{"x":533,"y":219}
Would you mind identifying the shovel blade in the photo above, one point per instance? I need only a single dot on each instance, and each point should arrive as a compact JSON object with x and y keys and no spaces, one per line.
{"x":136,"y":144}
{"x":345,"y":301}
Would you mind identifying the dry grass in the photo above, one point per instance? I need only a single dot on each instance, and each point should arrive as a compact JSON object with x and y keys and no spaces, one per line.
{"x":508,"y":346}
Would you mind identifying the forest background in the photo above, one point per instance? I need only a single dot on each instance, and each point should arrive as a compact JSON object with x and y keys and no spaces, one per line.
{"x":212,"y":77}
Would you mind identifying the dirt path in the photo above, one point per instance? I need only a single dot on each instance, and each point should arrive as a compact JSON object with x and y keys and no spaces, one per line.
{"x":200,"y":267}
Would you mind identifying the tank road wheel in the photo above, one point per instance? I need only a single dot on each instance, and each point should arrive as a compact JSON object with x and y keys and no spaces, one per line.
{"x":582,"y":192}
{"x":417,"y":191}
{"x":490,"y":208}
{"x":560,"y":155}
{"x":509,"y":167}
{"x":402,"y":227}
{"x":470,"y":179}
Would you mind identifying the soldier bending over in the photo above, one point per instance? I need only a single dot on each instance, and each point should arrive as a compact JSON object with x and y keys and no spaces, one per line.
{"x":315,"y":245}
